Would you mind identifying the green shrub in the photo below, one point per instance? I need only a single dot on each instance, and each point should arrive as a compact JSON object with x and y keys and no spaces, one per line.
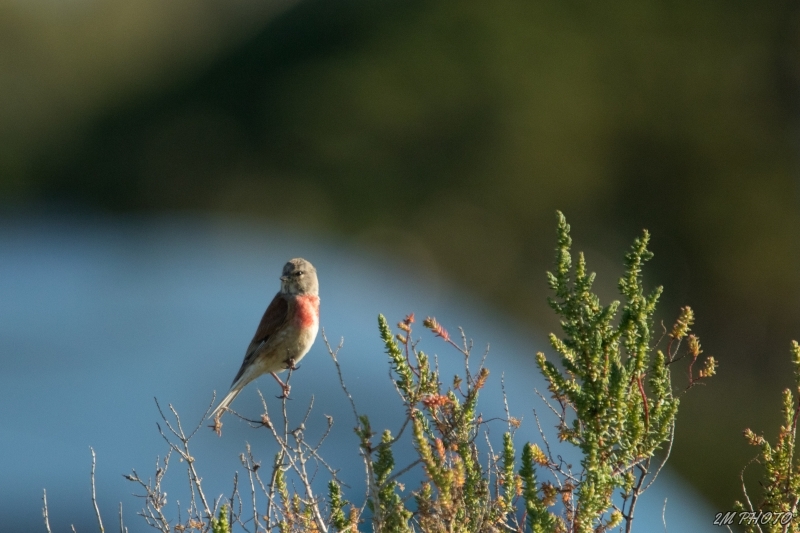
{"x":610,"y":388}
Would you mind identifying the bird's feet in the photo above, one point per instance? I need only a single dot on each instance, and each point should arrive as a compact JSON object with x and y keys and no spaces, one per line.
{"x":284,"y":386}
{"x":217,"y":425}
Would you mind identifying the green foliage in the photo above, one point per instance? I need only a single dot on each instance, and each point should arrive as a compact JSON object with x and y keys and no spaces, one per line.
{"x":607,"y":360}
{"x":221,"y":524}
{"x":337,"y":504}
{"x":393,"y":514}
{"x":405,"y":379}
{"x":507,"y":473}
{"x":540,"y":520}
{"x":615,"y":403}
{"x":456,"y":495}
{"x":781,"y":484}
{"x":283,"y":492}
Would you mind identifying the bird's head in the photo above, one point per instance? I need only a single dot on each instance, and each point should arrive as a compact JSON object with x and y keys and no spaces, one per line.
{"x":299,"y":277}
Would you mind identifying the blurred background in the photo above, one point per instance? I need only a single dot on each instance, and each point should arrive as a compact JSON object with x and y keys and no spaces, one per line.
{"x":443,"y":137}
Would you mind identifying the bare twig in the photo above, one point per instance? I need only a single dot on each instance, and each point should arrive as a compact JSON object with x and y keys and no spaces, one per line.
{"x":236,"y":517}
{"x":547,"y":403}
{"x":670,"y":442}
{"x":744,"y":490}
{"x":183,"y":451}
{"x":635,"y":493}
{"x":44,"y":513}
{"x":485,"y":355}
{"x":297,"y":456}
{"x":513,"y":423}
{"x":251,"y":466}
{"x":744,"y":487}
{"x":273,"y":480}
{"x":402,"y":471}
{"x":155,"y":499}
{"x":544,"y":437}
{"x":333,"y":353}
{"x":94,"y":495}
{"x":122,"y":528}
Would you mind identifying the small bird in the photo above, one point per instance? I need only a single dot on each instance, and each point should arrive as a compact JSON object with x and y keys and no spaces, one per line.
{"x":286,"y":331}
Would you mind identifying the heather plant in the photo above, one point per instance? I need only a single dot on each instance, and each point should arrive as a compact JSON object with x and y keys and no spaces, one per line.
{"x":613,"y":392}
{"x":778,"y":509}
{"x":609,"y":388}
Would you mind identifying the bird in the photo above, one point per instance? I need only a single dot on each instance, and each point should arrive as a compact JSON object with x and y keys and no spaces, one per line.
{"x":286,"y":331}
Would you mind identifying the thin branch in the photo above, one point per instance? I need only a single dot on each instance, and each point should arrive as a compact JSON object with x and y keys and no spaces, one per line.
{"x":333,"y":353}
{"x":399,"y":473}
{"x":308,"y":413}
{"x":485,"y":355}
{"x":547,"y":403}
{"x":195,"y":480}
{"x":670,"y":441}
{"x":544,"y":438}
{"x":324,"y":435}
{"x":249,"y":464}
{"x":509,"y":418}
{"x":234,"y":494}
{"x":635,"y":493}
{"x":154,"y":498}
{"x":94,"y":495}
{"x":744,"y":487}
{"x":271,"y":506}
{"x":44,"y":512}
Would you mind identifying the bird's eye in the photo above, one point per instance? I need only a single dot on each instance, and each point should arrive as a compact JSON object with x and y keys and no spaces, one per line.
{"x":299,"y":273}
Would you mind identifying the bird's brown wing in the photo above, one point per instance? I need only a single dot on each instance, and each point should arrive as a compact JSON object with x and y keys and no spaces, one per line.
{"x":274,"y":317}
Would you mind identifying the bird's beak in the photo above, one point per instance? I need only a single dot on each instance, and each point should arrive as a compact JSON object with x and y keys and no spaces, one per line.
{"x":284,"y":278}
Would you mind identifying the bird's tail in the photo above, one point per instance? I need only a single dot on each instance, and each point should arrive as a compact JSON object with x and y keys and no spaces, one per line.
{"x":226,"y":401}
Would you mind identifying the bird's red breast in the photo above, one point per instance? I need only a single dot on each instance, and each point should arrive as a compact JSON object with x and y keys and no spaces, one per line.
{"x":307,"y":313}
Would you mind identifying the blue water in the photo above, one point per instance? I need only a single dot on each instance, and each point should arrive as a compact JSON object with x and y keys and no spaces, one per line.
{"x":100,"y":315}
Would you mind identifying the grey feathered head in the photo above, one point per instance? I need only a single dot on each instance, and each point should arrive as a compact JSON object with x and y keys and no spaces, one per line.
{"x":299,"y":277}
